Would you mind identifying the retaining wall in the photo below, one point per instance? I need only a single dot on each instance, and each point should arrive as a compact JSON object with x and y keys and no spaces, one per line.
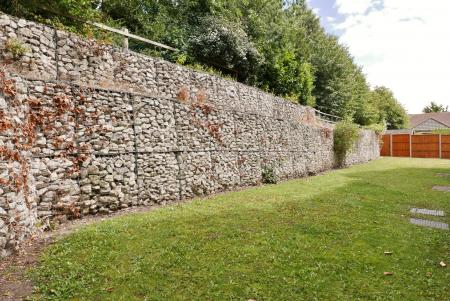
{"x":133,"y":130}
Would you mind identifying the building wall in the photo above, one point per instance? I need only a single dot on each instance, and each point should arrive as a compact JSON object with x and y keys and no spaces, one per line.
{"x":430,"y":125}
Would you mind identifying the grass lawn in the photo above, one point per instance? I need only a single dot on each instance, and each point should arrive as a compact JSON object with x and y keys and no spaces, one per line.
{"x":319,"y":238}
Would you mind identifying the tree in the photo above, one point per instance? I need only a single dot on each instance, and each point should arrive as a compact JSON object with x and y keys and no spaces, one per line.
{"x":390,"y":111}
{"x":276,"y":45}
{"x":224,"y":45}
{"x":66,"y":14}
{"x":435,"y":108}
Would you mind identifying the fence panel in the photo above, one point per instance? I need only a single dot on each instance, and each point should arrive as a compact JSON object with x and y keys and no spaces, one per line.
{"x":400,"y":145}
{"x":445,"y":140}
{"x":425,"y":146}
{"x":420,"y":146}
{"x":386,"y":147}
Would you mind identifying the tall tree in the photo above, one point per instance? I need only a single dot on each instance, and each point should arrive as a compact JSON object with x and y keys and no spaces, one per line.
{"x":390,"y":111}
{"x":279,"y":46}
{"x":435,"y":108}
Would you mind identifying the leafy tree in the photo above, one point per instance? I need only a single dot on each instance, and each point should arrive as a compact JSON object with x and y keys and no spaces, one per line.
{"x":340,"y":85}
{"x":69,"y":14}
{"x":279,"y":46}
{"x":224,"y":45}
{"x":306,"y":79}
{"x":435,"y":108}
{"x":292,"y":79}
{"x":390,"y":110}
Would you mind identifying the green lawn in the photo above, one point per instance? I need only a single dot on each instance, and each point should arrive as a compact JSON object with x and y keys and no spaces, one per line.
{"x":319,"y":238}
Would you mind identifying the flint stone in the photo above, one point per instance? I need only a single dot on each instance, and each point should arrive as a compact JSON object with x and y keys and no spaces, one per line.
{"x":3,"y":104}
{"x":2,"y":243}
{"x":86,"y":189}
{"x":39,"y":89}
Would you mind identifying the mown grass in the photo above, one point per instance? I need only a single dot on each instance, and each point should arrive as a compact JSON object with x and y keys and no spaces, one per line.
{"x":319,"y":238}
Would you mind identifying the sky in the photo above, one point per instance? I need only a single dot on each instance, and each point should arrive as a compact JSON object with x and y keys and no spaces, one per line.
{"x":401,"y":44}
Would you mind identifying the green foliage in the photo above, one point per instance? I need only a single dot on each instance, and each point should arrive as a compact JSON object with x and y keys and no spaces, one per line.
{"x":390,"y":111}
{"x":181,"y":59}
{"x":435,"y":108}
{"x":306,"y":79}
{"x":66,"y":13}
{"x":16,"y":47}
{"x":442,"y":131}
{"x":341,"y":87}
{"x":278,"y":46}
{"x":224,"y":45}
{"x":293,"y":79}
{"x":326,"y":233}
{"x":377,"y":128}
{"x":269,"y":176}
{"x":345,"y":133}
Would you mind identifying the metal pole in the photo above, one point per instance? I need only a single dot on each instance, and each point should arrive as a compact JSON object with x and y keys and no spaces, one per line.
{"x":125,"y":40}
{"x":130,"y":35}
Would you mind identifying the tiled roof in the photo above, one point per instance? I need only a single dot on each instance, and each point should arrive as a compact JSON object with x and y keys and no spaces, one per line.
{"x":416,"y":119}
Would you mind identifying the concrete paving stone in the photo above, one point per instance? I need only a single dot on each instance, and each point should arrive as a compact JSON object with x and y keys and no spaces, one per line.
{"x":427,"y":223}
{"x":427,"y":211}
{"x":442,"y":188}
{"x":445,"y":175}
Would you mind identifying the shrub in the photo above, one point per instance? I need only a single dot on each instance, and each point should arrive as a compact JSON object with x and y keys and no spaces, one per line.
{"x":16,"y":47}
{"x":269,"y":176}
{"x":442,"y":131}
{"x":377,"y":128}
{"x":345,"y":135}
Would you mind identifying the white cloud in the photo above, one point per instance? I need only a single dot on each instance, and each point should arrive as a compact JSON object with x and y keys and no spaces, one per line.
{"x":402,"y":44}
{"x":355,"y":6}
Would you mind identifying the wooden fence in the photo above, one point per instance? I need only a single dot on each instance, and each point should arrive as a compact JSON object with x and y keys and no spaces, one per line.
{"x":416,"y":146}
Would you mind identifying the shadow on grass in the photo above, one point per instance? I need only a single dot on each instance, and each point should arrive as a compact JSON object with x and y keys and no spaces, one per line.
{"x":320,"y":238}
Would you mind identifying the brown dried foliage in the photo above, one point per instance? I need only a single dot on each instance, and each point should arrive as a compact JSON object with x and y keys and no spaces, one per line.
{"x":200,"y":116}
{"x":183,"y":94}
{"x":201,"y":96}
{"x":52,"y":120}
{"x":326,"y":132}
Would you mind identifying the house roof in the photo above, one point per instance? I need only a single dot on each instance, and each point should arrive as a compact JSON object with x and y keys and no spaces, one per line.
{"x":417,"y":119}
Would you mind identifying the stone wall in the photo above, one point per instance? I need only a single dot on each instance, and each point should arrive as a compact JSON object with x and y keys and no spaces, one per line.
{"x":133,"y":130}
{"x":58,"y":55}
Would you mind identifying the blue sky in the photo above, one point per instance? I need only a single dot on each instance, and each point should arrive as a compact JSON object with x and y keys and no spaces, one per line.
{"x":401,"y":44}
{"x":327,"y":11}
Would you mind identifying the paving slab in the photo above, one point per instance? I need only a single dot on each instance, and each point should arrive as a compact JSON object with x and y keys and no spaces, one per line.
{"x":427,"y":211}
{"x":445,"y":175}
{"x":442,"y":188}
{"x":427,"y":223}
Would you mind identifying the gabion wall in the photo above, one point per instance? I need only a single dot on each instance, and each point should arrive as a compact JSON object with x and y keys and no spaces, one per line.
{"x":142,"y":131}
